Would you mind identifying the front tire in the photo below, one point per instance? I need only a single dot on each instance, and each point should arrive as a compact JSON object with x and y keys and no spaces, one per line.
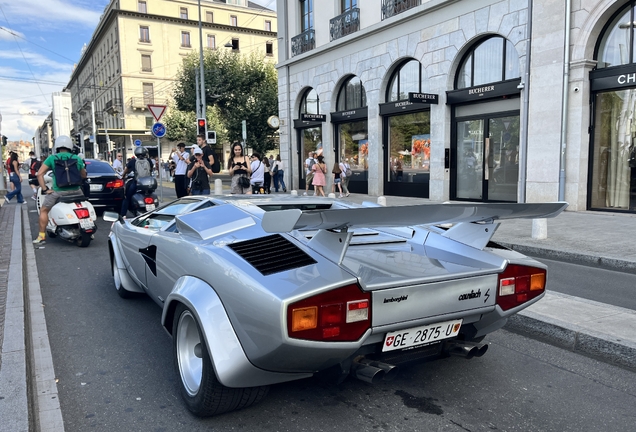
{"x":203,"y":394}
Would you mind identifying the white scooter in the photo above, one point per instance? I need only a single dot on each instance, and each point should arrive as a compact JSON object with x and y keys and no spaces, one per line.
{"x":71,"y":219}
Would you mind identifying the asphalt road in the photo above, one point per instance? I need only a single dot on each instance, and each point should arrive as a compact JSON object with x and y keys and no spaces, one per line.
{"x":114,"y":366}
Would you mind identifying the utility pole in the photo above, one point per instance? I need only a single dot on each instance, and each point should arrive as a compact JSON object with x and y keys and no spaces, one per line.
{"x":203,"y":104}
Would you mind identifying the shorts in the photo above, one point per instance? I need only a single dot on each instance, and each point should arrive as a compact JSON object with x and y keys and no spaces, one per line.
{"x":33,"y":180}
{"x":309,"y":178}
{"x":51,"y":199}
{"x":338,"y":180}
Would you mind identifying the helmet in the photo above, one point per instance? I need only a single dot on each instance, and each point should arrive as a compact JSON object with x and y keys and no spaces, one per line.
{"x":63,"y":141}
{"x":141,"y":152}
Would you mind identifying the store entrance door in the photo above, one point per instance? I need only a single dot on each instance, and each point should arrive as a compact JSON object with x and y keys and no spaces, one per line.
{"x":486,"y":158}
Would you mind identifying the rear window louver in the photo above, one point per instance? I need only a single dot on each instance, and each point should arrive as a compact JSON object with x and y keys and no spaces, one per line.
{"x":272,"y":254}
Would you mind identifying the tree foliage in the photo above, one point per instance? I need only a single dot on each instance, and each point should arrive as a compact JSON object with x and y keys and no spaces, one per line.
{"x":181,"y":125}
{"x":240,"y":88}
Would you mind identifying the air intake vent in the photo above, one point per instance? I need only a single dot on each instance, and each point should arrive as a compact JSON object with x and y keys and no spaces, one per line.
{"x":272,"y":254}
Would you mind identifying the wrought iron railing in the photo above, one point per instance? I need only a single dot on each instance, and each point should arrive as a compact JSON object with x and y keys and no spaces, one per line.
{"x":141,"y":102}
{"x":394,"y":7}
{"x":113,"y":106}
{"x":344,"y":24}
{"x":306,"y":41}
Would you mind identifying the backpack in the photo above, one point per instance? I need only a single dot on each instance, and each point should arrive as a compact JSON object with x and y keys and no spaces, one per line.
{"x":35,"y":166}
{"x":347,"y":170}
{"x":311,"y":164}
{"x":216,"y":166}
{"x":67,"y":173}
{"x":142,"y":168}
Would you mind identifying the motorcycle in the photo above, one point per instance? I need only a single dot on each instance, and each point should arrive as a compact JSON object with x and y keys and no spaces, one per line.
{"x":72,"y":218}
{"x":144,"y":199}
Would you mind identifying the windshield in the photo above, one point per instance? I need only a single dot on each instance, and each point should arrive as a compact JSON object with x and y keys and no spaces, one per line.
{"x":98,"y":167}
{"x":165,"y":215}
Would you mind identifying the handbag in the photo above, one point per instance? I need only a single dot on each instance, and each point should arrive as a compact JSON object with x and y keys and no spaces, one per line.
{"x":244,"y":182}
{"x":275,"y":170}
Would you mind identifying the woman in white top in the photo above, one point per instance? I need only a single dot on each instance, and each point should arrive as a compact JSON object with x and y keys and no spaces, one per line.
{"x":278,"y":171}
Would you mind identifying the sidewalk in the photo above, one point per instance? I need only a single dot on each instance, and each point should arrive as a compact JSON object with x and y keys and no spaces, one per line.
{"x":592,"y":328}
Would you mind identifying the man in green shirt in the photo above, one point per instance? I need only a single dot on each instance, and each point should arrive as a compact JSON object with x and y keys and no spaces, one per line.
{"x":63,"y":148}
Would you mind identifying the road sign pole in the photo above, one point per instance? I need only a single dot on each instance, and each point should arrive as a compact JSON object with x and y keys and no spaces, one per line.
{"x":160,"y":168}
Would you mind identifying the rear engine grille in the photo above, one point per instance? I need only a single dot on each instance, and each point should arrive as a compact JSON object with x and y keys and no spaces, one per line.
{"x":272,"y":254}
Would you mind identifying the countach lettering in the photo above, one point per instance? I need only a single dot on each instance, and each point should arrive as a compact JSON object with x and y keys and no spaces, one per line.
{"x":471,"y":295}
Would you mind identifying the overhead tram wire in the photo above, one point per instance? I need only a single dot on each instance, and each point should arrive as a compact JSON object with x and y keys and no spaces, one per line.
{"x":24,"y":57}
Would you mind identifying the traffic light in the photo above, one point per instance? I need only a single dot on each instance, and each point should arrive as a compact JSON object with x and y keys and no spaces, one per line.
{"x":211,"y":137}
{"x":202,"y":127}
{"x":4,"y":140}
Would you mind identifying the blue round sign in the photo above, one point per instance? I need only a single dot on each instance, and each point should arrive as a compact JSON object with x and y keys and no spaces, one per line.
{"x":137,"y":142}
{"x":159,"y":130}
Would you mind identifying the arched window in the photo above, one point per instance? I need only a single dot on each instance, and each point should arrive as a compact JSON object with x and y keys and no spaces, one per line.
{"x":310,"y":102}
{"x":491,"y":60}
{"x":351,"y":95}
{"x":616,"y":45}
{"x":407,"y":78}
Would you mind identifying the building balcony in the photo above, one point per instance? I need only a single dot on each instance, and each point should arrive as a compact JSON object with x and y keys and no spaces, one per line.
{"x":344,"y":24}
{"x":394,"y":7}
{"x":113,"y":106}
{"x":99,"y":118}
{"x":141,"y":103}
{"x":306,"y":41}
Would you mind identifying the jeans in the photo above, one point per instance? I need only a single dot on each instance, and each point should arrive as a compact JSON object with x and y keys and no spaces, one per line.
{"x":180,"y":185}
{"x":131,"y":188}
{"x":278,"y":180}
{"x":200,"y":192}
{"x":15,"y":179}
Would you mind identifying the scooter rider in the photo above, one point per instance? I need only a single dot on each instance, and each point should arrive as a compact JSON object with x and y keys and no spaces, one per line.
{"x":131,"y":186}
{"x":63,"y":147}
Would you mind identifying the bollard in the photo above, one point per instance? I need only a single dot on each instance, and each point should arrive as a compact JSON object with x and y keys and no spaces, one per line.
{"x":218,"y":187}
{"x":331,"y":195}
{"x":382,"y":201}
{"x":540,"y":229}
{"x":294,"y":192}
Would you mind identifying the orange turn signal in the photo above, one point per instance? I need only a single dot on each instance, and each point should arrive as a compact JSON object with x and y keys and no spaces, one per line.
{"x":537,"y":281}
{"x":304,"y":318}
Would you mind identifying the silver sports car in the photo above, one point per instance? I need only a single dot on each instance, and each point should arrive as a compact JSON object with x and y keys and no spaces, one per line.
{"x":261,"y":290}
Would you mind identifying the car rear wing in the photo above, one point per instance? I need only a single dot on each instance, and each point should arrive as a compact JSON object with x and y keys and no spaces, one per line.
{"x":398,"y":216}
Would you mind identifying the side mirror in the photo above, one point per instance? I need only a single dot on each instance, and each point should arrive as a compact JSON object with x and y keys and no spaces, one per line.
{"x":111,"y":216}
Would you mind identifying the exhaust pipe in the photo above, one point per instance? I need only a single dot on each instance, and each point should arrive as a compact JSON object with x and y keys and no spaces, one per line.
{"x":372,"y":371}
{"x":467,"y":350}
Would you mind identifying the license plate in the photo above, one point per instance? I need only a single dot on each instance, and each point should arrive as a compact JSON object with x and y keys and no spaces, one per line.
{"x":87,"y":223}
{"x":423,"y":335}
{"x":150,"y":207}
{"x":96,"y":187}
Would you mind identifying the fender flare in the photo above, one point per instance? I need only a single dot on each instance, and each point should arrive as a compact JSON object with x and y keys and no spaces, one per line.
{"x":231,"y":365}
{"x":126,"y":281}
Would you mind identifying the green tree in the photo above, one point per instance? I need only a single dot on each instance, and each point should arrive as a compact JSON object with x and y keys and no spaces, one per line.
{"x":181,"y":125}
{"x":240,"y":88}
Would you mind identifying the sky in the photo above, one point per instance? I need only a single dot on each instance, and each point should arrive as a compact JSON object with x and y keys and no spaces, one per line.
{"x":40,"y":41}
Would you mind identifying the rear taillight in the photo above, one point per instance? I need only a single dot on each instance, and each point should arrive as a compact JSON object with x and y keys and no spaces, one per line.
{"x":519,"y":284}
{"x":81,"y":213}
{"x":149,"y":200}
{"x":115,"y":184}
{"x":343,"y":314}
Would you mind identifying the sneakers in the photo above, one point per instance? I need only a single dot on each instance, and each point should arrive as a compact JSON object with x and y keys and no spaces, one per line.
{"x":39,"y":241}
{"x":33,"y":198}
{"x":6,"y":199}
{"x":284,"y":189}
{"x":23,"y":202}
{"x":304,"y":193}
{"x":347,"y":194}
{"x":341,"y":195}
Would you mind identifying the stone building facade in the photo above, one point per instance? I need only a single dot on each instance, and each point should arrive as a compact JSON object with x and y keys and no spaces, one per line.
{"x":448,"y":99}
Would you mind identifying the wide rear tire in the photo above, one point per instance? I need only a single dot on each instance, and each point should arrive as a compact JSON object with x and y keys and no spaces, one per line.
{"x":201,"y":391}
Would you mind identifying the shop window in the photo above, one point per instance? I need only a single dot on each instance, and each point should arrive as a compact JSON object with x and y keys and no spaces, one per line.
{"x":309,"y":103}
{"x":615,"y":47}
{"x":351,"y":95}
{"x":409,"y":147}
{"x":407,"y":78}
{"x":492,"y":60}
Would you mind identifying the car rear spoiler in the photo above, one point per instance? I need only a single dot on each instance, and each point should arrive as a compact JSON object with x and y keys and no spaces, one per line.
{"x":282,"y":221}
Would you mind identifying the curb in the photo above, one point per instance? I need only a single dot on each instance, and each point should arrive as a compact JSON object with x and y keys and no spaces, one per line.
{"x":573,"y":257}
{"x":47,"y":411}
{"x":578,"y":338}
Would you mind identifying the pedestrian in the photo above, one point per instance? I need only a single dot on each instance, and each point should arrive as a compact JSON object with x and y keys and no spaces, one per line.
{"x":309,"y":173}
{"x":345,"y":176}
{"x":257,"y":179}
{"x":16,"y":179}
{"x":199,"y":171}
{"x":319,"y":181}
{"x":238,"y":167}
{"x":118,"y":165}
{"x":278,"y":170}
{"x":208,"y":153}
{"x":34,"y":167}
{"x":142,"y":170}
{"x":181,"y":159}
{"x":271,"y":160}
{"x":268,"y":176}
{"x":336,"y":171}
{"x":7,"y":167}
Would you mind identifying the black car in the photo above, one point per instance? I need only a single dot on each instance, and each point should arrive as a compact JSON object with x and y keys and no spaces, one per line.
{"x":103,"y":187}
